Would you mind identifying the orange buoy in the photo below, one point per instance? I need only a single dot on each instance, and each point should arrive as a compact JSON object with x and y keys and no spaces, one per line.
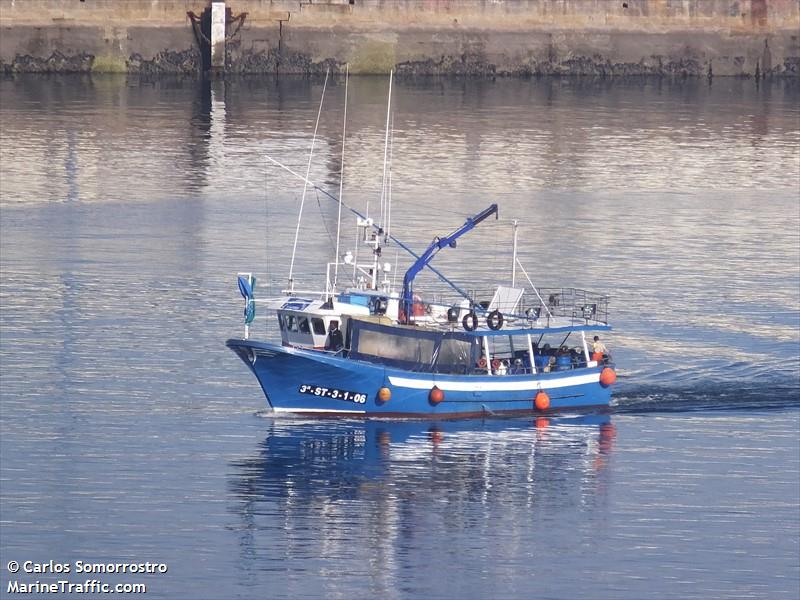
{"x":384,"y":394}
{"x":597,"y":356}
{"x":607,"y":377}
{"x":436,"y":395}
{"x":541,"y":401}
{"x":481,"y":363}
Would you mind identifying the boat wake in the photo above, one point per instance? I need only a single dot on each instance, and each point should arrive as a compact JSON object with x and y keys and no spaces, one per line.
{"x":709,"y":397}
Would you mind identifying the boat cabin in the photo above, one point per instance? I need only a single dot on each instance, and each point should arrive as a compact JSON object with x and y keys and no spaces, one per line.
{"x":308,"y":323}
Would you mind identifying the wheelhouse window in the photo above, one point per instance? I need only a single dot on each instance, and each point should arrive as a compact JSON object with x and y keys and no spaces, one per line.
{"x":318,"y":326}
{"x":398,"y":347}
{"x":291,"y":323}
{"x":408,"y":347}
{"x":454,"y":355}
{"x":303,"y":325}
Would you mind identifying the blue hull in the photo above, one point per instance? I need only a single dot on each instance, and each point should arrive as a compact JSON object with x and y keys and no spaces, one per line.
{"x":307,"y":381}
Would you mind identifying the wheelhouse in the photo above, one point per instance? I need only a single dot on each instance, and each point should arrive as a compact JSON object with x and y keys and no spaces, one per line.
{"x":309,"y":323}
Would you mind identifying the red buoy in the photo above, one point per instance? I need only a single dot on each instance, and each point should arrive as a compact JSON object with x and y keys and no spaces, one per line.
{"x":541,"y":401}
{"x":607,"y":377}
{"x":436,"y":395}
{"x":384,"y":394}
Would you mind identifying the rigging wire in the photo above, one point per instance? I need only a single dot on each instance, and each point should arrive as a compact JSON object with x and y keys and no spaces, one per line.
{"x":305,"y":183}
{"x":385,"y":150}
{"x":524,"y":272}
{"x":341,"y":182}
{"x":322,"y":217}
{"x":358,"y":214}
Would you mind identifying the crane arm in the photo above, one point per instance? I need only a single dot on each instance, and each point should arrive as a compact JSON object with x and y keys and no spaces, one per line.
{"x":437,"y":244}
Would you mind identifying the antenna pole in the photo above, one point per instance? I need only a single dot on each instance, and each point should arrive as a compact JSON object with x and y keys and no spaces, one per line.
{"x":389,"y":191}
{"x":386,"y":150}
{"x":305,"y":183}
{"x":514,"y":257}
{"x":341,"y":182}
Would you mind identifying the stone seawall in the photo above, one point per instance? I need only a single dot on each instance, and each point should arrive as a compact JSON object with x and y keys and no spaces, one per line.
{"x":416,"y":37}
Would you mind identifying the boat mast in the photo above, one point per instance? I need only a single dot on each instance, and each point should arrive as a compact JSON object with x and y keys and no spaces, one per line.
{"x":305,"y":184}
{"x":373,"y":239}
{"x":341,"y":183}
{"x":400,"y":243}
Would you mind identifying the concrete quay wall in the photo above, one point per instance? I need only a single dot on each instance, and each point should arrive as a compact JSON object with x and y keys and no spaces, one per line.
{"x":414,"y":37}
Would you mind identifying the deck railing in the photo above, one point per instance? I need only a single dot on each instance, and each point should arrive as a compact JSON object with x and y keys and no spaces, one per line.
{"x":573,"y":303}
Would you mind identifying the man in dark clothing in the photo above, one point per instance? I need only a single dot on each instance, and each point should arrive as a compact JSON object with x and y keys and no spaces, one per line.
{"x":335,"y":340}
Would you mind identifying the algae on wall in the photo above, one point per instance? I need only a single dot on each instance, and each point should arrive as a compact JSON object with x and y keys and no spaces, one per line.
{"x":694,"y":38}
{"x":109,"y":64}
{"x":373,"y":57}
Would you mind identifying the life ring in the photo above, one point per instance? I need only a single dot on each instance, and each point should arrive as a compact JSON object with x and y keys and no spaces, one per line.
{"x":495,"y":320}
{"x":495,"y":364}
{"x":470,"y":321}
{"x":482,"y":363}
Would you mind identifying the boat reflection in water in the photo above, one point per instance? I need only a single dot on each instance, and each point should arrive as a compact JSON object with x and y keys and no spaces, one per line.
{"x":374,"y":492}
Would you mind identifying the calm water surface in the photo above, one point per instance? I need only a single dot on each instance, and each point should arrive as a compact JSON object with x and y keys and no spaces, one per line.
{"x":129,"y":433}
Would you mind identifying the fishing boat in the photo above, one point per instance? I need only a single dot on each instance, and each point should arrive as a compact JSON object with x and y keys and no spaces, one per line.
{"x":368,"y":349}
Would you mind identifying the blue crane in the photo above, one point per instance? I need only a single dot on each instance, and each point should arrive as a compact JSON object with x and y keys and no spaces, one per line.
{"x":427,"y":256}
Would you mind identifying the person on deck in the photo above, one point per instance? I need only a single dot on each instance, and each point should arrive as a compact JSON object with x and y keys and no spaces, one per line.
{"x":599,"y":350}
{"x":598,"y":346}
{"x":335,"y":341}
